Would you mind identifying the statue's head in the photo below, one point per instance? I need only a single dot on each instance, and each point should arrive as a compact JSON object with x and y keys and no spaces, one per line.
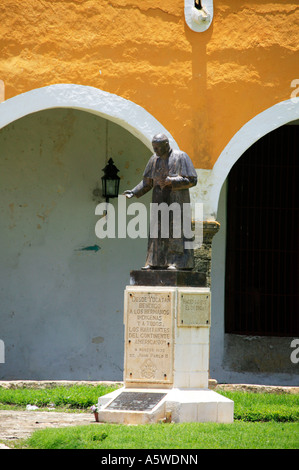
{"x":160,"y":144}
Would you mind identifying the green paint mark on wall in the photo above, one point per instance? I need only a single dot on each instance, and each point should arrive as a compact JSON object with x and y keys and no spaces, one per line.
{"x":93,"y":248}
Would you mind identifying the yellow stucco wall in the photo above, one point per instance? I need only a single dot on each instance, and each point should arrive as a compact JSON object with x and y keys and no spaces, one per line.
{"x":202,"y":87}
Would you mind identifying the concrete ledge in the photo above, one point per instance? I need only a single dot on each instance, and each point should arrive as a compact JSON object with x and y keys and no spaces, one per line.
{"x":55,"y":383}
{"x":178,"y":406}
{"x":213,"y":384}
{"x":199,"y":406}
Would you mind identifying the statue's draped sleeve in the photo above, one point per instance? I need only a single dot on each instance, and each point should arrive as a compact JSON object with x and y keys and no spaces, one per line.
{"x":148,"y":180}
{"x":181,"y":173}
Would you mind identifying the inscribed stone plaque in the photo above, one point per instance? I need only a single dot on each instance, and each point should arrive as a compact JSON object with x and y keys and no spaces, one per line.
{"x":149,"y":337}
{"x":136,"y":401}
{"x":194,"y":309}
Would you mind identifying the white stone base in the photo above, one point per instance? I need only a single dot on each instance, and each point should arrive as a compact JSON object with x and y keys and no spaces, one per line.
{"x":201,"y":406}
{"x":178,"y":406}
{"x":167,"y":336}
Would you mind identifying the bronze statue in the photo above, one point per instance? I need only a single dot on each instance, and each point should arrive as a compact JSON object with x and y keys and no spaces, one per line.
{"x":170,"y":173}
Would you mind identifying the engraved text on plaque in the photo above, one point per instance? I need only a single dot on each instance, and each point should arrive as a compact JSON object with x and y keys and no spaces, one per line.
{"x":194,"y":309}
{"x":149,"y":338}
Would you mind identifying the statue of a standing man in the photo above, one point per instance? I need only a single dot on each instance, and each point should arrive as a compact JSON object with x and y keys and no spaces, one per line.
{"x":170,"y":173}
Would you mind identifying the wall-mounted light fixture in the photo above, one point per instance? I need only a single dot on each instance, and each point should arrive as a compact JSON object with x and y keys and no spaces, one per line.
{"x":199,"y":14}
{"x":110,"y":181}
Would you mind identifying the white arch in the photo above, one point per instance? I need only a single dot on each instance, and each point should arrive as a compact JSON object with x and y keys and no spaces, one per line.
{"x":211,"y":181}
{"x":127,"y":114}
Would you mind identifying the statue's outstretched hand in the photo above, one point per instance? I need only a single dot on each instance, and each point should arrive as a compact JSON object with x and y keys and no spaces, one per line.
{"x":128,"y":193}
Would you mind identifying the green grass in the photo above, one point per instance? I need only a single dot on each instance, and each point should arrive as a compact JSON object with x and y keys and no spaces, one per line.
{"x":238,"y":435}
{"x":75,"y":397}
{"x":264,"y":406}
{"x":262,"y":421}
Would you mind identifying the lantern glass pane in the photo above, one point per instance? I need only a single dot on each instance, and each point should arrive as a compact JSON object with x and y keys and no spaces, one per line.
{"x":111,"y":187}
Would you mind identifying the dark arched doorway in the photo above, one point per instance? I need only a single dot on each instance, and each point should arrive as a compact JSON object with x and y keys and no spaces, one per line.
{"x":261,"y":281}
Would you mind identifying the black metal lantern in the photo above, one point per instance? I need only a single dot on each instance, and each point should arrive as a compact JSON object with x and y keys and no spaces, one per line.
{"x":110,"y":181}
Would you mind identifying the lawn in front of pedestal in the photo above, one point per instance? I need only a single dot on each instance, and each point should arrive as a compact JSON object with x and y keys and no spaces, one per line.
{"x":262,"y":421}
{"x":238,"y":435}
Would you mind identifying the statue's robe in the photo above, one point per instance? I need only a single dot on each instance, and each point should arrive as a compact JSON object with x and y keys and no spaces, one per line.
{"x":172,"y":250}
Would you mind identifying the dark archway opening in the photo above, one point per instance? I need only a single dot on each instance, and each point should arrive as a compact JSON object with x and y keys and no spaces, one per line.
{"x":262,"y":255}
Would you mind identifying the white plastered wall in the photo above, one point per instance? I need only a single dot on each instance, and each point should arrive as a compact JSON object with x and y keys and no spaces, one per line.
{"x":62,"y":287}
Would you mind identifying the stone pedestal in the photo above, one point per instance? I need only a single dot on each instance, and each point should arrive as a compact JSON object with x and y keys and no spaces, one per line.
{"x":166,"y":367}
{"x":163,"y":277}
{"x":203,"y":254}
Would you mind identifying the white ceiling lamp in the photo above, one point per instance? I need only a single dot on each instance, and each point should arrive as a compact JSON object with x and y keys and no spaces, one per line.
{"x":199,"y":14}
